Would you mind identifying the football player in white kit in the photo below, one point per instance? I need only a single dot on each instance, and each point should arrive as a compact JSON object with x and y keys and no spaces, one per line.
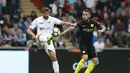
{"x":44,"y":25}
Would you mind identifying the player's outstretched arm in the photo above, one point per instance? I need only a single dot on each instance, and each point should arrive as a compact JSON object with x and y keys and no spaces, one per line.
{"x":64,"y":32}
{"x":67,"y":30}
{"x":68,"y":23}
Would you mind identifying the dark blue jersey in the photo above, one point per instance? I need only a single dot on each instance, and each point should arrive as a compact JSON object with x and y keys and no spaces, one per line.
{"x":86,"y":29}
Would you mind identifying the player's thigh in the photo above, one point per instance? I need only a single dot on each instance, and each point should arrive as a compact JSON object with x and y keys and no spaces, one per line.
{"x":91,"y":52}
{"x":84,"y":51}
{"x":83,"y":48}
{"x":52,"y":55}
{"x":49,"y":48}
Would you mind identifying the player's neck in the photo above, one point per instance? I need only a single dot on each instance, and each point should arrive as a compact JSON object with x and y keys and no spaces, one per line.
{"x":86,"y":20}
{"x":45,"y":18}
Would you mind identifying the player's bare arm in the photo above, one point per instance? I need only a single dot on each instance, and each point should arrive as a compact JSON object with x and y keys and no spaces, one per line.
{"x":69,"y":29}
{"x":30,"y":32}
{"x":67,"y":23}
{"x":64,"y":32}
{"x":73,"y":26}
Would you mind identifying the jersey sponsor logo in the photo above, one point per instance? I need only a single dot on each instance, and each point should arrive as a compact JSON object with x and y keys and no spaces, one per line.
{"x":40,"y":23}
{"x":88,"y":30}
{"x":85,"y":64}
{"x":45,"y":28}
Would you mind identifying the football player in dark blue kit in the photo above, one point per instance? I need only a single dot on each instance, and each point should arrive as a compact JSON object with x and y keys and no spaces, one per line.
{"x":86,"y":27}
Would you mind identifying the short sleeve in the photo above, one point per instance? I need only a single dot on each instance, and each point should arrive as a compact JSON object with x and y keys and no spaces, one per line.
{"x":33,"y":24}
{"x":96,"y":23}
{"x":57,"y":21}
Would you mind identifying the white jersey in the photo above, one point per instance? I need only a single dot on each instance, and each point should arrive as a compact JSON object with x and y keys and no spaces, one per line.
{"x":44,"y":26}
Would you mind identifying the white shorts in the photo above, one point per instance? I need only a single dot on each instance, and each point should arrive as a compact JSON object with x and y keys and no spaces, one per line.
{"x":42,"y":40}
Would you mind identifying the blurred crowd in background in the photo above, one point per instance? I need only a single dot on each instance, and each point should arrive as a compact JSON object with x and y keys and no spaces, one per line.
{"x":113,"y":14}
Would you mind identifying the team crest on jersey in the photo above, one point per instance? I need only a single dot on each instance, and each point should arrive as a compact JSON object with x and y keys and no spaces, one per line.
{"x":92,"y":25}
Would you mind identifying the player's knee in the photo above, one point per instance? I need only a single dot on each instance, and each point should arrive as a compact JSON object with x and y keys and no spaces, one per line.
{"x":53,"y":58}
{"x":95,"y":60}
{"x":85,"y":57}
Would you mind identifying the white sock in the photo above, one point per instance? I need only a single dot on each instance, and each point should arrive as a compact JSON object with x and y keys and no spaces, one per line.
{"x":55,"y":67}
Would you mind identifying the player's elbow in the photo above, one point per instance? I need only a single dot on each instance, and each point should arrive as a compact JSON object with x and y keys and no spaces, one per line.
{"x":29,"y":30}
{"x":103,"y":29}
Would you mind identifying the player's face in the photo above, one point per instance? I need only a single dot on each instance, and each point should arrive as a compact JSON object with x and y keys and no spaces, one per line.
{"x":46,"y":15}
{"x":85,"y":15}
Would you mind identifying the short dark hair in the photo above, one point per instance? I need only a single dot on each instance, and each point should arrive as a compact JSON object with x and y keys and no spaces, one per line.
{"x":86,"y":10}
{"x":45,"y":9}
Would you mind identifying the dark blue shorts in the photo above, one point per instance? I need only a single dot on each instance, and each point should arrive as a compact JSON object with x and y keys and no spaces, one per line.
{"x":88,"y":49}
